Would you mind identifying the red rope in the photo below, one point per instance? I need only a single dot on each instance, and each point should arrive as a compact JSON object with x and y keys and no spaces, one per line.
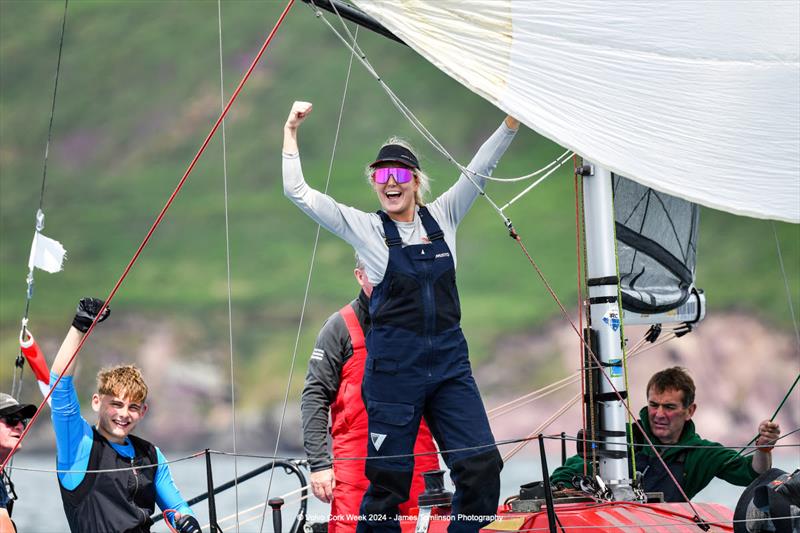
{"x":168,"y":521}
{"x":154,"y":226}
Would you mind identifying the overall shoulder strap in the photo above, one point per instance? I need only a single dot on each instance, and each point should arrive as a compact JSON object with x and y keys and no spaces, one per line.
{"x":432,"y":228}
{"x":390,"y":230}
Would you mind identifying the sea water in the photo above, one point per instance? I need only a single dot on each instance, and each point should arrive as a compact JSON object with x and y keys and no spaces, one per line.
{"x":39,"y":508}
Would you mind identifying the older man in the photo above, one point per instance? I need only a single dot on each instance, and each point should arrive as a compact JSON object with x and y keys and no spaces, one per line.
{"x":693,"y":461}
{"x":13,"y":418}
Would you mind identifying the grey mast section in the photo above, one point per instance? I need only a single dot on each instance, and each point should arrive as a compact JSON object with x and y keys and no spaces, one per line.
{"x":606,"y":321}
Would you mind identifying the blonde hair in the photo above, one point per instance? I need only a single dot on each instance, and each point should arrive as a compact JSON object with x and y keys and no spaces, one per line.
{"x":122,"y":381}
{"x":422,"y":179}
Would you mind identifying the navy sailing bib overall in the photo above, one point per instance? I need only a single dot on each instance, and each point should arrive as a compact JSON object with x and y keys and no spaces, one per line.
{"x":417,"y":365}
{"x":654,"y":477}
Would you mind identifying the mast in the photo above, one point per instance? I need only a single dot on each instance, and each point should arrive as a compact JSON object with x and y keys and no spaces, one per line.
{"x":605,"y":320}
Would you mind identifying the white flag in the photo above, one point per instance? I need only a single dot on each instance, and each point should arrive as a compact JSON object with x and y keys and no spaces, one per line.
{"x":46,"y":253}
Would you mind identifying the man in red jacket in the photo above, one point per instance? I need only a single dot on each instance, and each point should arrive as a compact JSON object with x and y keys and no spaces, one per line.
{"x":333,"y":384}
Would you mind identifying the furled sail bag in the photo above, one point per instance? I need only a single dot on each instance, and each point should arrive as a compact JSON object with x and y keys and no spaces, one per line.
{"x":656,"y":243}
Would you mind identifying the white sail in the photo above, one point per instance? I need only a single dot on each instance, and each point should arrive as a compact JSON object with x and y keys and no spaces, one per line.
{"x":699,"y":99}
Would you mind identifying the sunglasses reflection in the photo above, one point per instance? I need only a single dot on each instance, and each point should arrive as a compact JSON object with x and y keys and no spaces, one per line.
{"x":400,"y":174}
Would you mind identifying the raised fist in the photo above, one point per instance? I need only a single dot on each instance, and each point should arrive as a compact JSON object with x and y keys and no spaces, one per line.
{"x":87,"y":310}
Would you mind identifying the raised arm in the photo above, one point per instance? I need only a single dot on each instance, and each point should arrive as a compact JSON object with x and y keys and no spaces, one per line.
{"x":456,"y":201}
{"x":84,"y":316}
{"x":73,"y":433}
{"x":349,"y":223}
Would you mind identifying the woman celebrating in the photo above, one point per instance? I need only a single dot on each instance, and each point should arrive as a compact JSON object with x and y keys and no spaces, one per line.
{"x":417,"y":357}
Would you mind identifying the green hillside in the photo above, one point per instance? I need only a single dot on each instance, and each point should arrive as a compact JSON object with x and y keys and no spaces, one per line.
{"x":138,"y":92}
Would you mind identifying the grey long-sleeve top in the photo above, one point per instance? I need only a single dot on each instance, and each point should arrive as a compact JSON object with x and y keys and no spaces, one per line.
{"x":364,"y":231}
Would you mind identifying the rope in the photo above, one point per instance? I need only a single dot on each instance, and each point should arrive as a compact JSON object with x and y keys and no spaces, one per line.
{"x":153,"y":228}
{"x":16,"y":385}
{"x":771,"y":419}
{"x":531,"y":397}
{"x":308,"y":280}
{"x":533,"y":435}
{"x":563,"y":158}
{"x":168,"y":520}
{"x":542,"y":392}
{"x":228,"y":260}
{"x":53,"y":107}
{"x":754,"y":449}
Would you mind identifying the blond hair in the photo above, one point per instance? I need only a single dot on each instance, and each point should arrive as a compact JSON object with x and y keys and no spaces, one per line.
{"x":122,"y":381}
{"x":422,"y":179}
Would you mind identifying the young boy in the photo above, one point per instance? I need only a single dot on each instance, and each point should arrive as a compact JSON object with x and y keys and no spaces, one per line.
{"x":123,"y":498}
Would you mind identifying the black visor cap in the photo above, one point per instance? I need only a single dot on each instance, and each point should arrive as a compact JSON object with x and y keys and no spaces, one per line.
{"x":394,"y":153}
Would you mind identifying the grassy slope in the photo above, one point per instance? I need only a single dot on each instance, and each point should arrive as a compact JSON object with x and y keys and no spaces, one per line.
{"x":139,"y":91}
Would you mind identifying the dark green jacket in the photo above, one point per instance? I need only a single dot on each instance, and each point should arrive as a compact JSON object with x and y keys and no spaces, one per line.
{"x":701,"y":465}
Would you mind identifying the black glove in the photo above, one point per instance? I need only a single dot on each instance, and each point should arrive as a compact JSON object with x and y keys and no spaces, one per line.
{"x":188,"y":524}
{"x":87,"y":310}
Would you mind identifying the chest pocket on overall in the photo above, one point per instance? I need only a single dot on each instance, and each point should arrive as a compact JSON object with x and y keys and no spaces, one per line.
{"x":402,"y":304}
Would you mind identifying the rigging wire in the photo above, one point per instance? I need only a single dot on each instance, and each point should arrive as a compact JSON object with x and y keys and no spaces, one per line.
{"x":302,"y":460}
{"x":544,"y":425}
{"x":308,"y":280}
{"x":16,"y":385}
{"x":557,"y":164}
{"x":228,"y":261}
{"x":156,"y":223}
{"x":542,"y":392}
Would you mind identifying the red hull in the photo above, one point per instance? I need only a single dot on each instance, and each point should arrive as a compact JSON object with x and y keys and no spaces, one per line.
{"x":612,"y":517}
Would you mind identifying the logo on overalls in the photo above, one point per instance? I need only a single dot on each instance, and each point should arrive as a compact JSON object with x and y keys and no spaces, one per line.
{"x":377,"y":440}
{"x":443,"y":254}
